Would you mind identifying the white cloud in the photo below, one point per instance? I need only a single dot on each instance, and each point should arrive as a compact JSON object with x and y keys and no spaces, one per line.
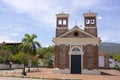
{"x":3,"y":9}
{"x":9,"y":31}
{"x":5,"y":38}
{"x":45,"y":10}
{"x":99,"y":17}
{"x":18,"y":28}
{"x":109,"y":8}
{"x":85,"y":3}
{"x":14,"y":34}
{"x":108,"y":36}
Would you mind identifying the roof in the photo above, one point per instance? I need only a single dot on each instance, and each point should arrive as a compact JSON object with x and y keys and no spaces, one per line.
{"x":10,"y":43}
{"x":78,"y":29}
{"x":62,"y":15}
{"x":89,"y":14}
{"x":102,"y":54}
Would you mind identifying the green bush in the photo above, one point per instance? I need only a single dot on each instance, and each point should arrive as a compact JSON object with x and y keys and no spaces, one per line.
{"x":116,"y":67}
{"x":19,"y":58}
{"x":35,"y":62}
{"x":50,"y":63}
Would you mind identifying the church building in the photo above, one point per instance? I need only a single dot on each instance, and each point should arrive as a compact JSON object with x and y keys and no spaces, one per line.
{"x":76,"y":50}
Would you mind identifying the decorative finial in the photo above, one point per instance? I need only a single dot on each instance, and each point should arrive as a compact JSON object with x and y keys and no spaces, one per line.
{"x":89,"y":11}
{"x":76,"y":23}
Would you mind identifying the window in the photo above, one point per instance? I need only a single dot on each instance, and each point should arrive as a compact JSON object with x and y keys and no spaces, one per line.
{"x":60,"y":22}
{"x":64,"y":22}
{"x":87,"y":21}
{"x":92,"y":21}
{"x":76,"y":49}
{"x":75,"y":33}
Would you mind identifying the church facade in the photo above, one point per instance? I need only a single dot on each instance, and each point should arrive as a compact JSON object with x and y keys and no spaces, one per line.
{"x":76,"y":50}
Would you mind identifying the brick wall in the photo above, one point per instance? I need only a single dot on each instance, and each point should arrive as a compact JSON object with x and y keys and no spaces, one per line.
{"x":59,"y":62}
{"x":92,"y":31}
{"x":60,"y":31}
{"x":90,"y":57}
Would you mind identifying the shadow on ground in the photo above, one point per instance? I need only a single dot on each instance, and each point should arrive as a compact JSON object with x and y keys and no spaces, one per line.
{"x":104,"y":73}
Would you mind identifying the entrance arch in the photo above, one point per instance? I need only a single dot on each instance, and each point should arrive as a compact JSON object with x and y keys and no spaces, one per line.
{"x":76,"y":60}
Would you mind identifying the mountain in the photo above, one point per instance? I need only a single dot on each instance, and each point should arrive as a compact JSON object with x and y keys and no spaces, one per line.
{"x":108,"y":47}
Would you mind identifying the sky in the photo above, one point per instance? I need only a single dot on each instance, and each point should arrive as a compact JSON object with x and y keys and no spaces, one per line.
{"x":18,"y":17}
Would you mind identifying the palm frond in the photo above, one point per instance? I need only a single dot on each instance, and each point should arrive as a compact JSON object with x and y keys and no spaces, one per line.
{"x":29,"y":45}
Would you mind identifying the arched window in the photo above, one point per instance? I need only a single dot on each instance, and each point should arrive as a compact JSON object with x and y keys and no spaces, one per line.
{"x":60,"y":22}
{"x":64,"y":22}
{"x":75,"y":49}
{"x":87,"y":21}
{"x":92,"y":21}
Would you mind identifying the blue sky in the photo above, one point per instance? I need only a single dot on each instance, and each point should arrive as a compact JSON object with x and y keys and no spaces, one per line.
{"x":18,"y":17}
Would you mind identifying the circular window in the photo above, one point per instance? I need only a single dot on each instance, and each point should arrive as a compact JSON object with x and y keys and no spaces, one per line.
{"x":75,"y":33}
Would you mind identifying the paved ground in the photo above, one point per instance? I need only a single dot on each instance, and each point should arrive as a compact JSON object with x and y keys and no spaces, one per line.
{"x":48,"y":73}
{"x":11,"y":78}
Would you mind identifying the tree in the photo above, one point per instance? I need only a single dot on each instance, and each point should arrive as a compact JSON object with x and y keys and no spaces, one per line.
{"x":46,"y":54}
{"x":6,"y":54}
{"x":116,"y":57}
{"x":29,"y":46}
{"x":18,"y":58}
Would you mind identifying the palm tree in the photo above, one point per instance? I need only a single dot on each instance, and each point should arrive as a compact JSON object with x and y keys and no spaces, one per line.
{"x":29,"y":46}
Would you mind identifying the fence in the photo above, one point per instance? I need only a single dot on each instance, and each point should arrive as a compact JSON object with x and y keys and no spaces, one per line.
{"x":13,"y":66}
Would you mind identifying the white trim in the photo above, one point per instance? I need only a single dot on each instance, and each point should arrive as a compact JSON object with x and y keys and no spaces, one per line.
{"x":61,"y":27}
{"x":80,"y":53}
{"x":76,"y":41}
{"x":89,"y":14}
{"x":62,"y":15}
{"x":90,"y":27}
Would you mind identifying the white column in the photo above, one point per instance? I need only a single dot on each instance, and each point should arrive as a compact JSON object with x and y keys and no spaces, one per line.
{"x":70,"y":58}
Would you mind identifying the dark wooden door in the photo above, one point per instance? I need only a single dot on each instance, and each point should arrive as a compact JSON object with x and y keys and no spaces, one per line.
{"x":76,"y":64}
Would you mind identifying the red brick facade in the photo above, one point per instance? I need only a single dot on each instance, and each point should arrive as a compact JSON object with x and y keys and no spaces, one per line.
{"x":84,"y":41}
{"x":93,"y":57}
{"x":58,"y":57}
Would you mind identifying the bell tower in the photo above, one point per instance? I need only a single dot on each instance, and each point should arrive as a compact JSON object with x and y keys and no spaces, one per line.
{"x":61,"y":23}
{"x":90,"y":23}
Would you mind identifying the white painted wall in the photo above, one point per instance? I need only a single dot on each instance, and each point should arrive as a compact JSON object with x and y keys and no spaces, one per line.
{"x":111,"y":63}
{"x":101,"y":61}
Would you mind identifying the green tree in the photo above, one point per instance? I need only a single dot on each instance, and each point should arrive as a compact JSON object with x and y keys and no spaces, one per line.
{"x":11,"y":49}
{"x":18,"y":58}
{"x":6,"y":54}
{"x":46,"y":54}
{"x":116,"y":57}
{"x":35,"y":62}
{"x":29,"y":46}
{"x":41,"y":52}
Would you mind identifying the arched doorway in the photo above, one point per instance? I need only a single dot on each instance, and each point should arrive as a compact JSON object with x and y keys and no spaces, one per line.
{"x":76,"y":61}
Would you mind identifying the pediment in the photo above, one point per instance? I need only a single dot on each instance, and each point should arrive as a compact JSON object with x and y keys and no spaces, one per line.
{"x":76,"y":32}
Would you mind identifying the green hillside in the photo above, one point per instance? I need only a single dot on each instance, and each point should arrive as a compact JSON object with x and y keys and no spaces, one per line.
{"x":108,"y":47}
